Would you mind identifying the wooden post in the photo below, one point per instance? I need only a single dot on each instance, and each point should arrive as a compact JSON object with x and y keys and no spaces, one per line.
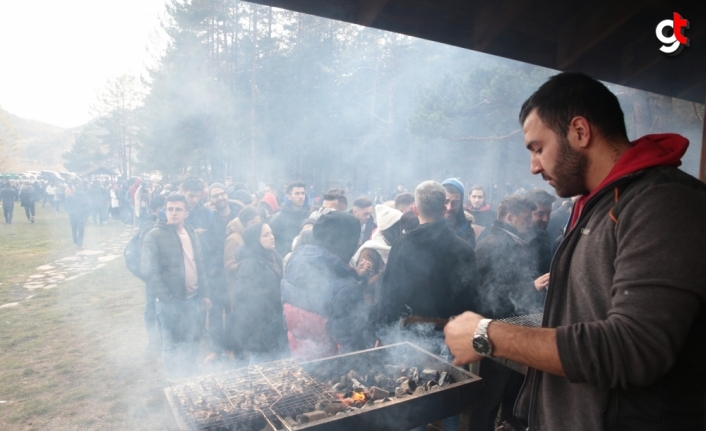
{"x":702,"y":165}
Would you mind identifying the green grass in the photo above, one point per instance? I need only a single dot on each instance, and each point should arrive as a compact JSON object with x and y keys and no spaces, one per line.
{"x":71,"y":357}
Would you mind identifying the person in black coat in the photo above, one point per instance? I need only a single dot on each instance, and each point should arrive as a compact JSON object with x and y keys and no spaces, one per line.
{"x":430,"y":269}
{"x":8,"y":194}
{"x":256,"y":323}
{"x":27,"y":199}
{"x":78,"y":206}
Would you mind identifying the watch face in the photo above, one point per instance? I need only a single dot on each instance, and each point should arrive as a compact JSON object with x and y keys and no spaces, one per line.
{"x":481,"y":345}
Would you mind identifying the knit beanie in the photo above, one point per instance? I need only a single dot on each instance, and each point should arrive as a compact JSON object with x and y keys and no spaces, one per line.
{"x":386,"y":216}
{"x":243,"y":196}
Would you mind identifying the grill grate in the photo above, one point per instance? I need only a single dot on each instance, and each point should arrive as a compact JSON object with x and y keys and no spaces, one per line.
{"x":534,"y":320}
{"x":248,"y":398}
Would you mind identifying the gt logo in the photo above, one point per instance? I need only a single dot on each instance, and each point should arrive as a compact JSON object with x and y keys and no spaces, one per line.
{"x":675,"y":43}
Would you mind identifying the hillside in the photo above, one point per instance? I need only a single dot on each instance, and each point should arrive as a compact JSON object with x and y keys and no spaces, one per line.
{"x":39,"y":145}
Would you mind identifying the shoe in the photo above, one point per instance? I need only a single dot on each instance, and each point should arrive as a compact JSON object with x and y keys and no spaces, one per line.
{"x":32,"y":220}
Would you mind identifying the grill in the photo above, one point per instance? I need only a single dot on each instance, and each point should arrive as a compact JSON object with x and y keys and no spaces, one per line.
{"x":532,"y":320}
{"x":276,"y":393}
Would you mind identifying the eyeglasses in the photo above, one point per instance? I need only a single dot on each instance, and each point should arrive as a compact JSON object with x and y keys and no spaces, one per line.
{"x":174,"y":210}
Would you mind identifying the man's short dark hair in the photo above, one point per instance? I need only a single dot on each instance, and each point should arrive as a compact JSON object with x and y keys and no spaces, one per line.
{"x":176,"y":198}
{"x":273,"y":186}
{"x":404,"y":199}
{"x":249,"y":212}
{"x":158,"y":202}
{"x":570,"y":94}
{"x":362,"y":202}
{"x":193,"y":184}
{"x":294,"y":184}
{"x":540,"y":197}
{"x":515,"y":205}
{"x":333,"y":194}
{"x":476,"y":188}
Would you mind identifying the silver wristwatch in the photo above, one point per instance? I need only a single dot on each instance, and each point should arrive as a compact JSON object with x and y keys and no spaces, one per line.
{"x":481,"y":342}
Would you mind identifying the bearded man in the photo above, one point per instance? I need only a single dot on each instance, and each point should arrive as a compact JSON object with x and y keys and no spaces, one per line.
{"x":621,"y":345}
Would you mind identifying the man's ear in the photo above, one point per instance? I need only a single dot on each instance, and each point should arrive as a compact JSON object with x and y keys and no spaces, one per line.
{"x":508,"y":219}
{"x":416,"y":212}
{"x":580,"y":131}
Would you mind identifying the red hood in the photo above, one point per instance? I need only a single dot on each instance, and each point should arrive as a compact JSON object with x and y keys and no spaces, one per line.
{"x":649,"y":151}
{"x":270,"y":200}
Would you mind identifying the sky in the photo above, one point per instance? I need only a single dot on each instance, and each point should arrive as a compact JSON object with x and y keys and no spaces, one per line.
{"x":56,"y":55}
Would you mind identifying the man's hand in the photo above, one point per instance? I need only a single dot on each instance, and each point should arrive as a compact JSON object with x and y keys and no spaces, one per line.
{"x":206,"y":303}
{"x":542,"y":282}
{"x":199,"y":230}
{"x":459,"y":337}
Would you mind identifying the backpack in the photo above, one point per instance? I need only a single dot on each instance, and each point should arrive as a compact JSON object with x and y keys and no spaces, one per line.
{"x":133,"y":255}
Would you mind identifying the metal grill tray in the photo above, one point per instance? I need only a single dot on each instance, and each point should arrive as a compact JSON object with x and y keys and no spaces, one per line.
{"x":278,"y":401}
{"x":531,"y":320}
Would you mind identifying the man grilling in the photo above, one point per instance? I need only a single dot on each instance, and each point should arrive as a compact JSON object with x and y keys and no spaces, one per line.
{"x":622,"y":343}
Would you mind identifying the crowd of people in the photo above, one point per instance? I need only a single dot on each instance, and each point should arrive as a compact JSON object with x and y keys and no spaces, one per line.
{"x":308,"y":277}
{"x":276,"y":273}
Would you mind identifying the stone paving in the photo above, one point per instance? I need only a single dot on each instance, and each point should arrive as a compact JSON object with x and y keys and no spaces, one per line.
{"x":71,"y":267}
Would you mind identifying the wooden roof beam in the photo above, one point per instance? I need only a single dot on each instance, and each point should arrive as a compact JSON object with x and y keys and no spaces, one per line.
{"x":493,"y":17}
{"x":590,"y":26}
{"x":369,"y":10}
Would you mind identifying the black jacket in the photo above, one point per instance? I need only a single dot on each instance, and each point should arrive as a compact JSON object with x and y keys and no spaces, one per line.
{"x":430,"y":270}
{"x":27,"y":194}
{"x":541,"y":247}
{"x":627,"y":294}
{"x":78,"y":204}
{"x":506,"y":273}
{"x":257,"y":318}
{"x":8,"y":195}
{"x":286,"y":225}
{"x":162,"y":263}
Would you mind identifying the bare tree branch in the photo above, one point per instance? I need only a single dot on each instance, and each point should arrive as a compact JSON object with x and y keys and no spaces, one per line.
{"x":486,"y":138}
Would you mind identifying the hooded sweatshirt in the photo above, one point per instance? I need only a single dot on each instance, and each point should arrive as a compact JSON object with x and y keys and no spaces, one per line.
{"x":665,"y":149}
{"x":462,"y":227}
{"x":627,"y":296}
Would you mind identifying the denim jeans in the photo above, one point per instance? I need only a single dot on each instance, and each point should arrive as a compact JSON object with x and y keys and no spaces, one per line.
{"x":220,"y":304}
{"x":78,"y":226}
{"x":7,"y":210}
{"x":182,"y":323}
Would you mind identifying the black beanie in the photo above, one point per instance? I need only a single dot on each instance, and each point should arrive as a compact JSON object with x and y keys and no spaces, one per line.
{"x":243,"y":196}
{"x":338,"y":232}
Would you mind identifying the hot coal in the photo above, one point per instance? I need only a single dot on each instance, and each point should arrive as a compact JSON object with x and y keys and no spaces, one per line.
{"x":358,"y":390}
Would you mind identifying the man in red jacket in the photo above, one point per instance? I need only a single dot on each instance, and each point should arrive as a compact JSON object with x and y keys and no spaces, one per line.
{"x":622,"y":340}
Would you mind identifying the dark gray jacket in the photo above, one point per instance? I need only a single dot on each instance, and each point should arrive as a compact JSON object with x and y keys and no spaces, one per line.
{"x":627,"y":295}
{"x":162,"y":263}
{"x":506,"y":273}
